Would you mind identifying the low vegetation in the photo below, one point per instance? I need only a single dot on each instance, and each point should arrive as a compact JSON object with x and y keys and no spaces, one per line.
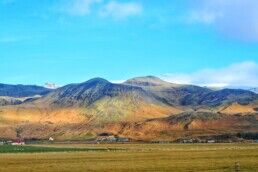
{"x":135,"y":157}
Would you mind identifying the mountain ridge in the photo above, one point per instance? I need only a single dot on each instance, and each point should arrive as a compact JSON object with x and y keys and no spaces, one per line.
{"x":20,"y":90}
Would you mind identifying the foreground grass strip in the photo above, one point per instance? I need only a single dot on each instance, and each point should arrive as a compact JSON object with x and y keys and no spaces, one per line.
{"x":36,"y":149}
{"x":154,"y":158}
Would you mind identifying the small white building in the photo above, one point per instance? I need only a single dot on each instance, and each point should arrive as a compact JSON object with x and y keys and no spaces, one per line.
{"x":211,"y":141}
{"x":18,"y":143}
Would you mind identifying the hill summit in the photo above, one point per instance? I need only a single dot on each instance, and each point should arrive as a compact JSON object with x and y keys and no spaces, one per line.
{"x":148,"y":81}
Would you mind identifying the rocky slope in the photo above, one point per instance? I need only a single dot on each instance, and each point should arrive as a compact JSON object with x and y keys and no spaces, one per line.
{"x":9,"y":101}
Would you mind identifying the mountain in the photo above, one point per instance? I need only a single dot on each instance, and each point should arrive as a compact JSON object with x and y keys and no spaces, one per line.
{"x":190,"y":95}
{"x":106,"y":101}
{"x":22,"y":90}
{"x":85,"y":94}
{"x":172,"y":94}
{"x":142,"y":108}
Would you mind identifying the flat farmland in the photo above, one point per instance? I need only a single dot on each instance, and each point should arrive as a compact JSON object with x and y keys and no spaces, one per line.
{"x":133,"y":157}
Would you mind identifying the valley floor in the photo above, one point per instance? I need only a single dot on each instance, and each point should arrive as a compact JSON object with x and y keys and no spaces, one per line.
{"x":137,"y":158}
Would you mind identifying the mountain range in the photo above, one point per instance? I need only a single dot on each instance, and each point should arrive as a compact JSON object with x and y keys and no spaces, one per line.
{"x":22,"y":90}
{"x":142,"y":108}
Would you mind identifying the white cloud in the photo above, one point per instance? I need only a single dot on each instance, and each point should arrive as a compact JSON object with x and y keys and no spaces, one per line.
{"x":114,"y":9}
{"x":236,"y":75}
{"x":118,"y":81}
{"x":79,"y":7}
{"x":51,"y":85}
{"x":206,"y":17}
{"x":233,"y":18}
{"x":120,"y":10}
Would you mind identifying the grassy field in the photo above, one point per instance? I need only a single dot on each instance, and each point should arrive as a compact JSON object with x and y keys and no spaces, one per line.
{"x":42,"y":149}
{"x":134,"y":157}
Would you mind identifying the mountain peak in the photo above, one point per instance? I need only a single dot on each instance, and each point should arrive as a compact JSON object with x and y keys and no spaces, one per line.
{"x":147,"y":81}
{"x":97,"y":80}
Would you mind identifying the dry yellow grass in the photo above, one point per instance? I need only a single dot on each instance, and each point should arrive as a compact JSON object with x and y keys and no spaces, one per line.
{"x":32,"y":114}
{"x":138,"y":158}
{"x":106,"y":110}
{"x":237,"y":108}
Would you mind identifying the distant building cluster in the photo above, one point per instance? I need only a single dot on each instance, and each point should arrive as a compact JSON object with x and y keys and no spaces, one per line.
{"x":12,"y":142}
{"x":109,"y":138}
{"x":197,"y":140}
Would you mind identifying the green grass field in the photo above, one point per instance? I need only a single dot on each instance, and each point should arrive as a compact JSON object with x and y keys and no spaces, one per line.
{"x":131,"y":157}
{"x":42,"y":149}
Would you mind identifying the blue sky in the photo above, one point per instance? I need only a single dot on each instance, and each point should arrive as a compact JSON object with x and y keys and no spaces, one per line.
{"x":214,"y":43}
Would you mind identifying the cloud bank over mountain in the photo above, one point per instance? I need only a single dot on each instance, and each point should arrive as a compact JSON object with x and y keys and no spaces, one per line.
{"x":236,"y":75}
